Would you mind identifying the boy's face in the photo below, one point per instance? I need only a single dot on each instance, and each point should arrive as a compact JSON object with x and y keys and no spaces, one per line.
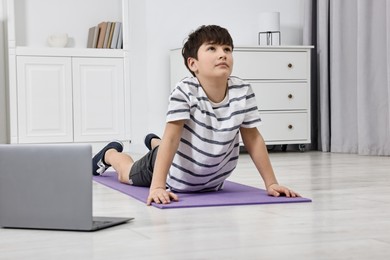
{"x":214,"y":61}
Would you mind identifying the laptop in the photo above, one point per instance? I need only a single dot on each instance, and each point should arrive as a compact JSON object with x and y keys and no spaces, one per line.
{"x":48,"y":186}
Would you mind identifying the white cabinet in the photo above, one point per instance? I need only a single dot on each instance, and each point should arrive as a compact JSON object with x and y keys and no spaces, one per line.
{"x":280,"y":78}
{"x":71,"y":94}
{"x":66,"y":99}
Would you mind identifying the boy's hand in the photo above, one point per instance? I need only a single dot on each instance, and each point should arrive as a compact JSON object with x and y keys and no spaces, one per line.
{"x":160,"y":195}
{"x":277,"y":190}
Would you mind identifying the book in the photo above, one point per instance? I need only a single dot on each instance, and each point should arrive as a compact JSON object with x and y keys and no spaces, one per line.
{"x":105,"y":44}
{"x":120,"y":39}
{"x":91,"y":33}
{"x":111,"y":34}
{"x":115,"y":35}
{"x":102,"y":33}
{"x":106,"y":35}
{"x":95,"y":36}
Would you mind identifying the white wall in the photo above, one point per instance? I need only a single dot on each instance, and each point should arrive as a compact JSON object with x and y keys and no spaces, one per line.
{"x":52,"y":16}
{"x":158,"y":26}
{"x":3,"y":94}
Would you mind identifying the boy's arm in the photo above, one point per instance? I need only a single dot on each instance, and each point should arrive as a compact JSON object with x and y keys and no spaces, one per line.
{"x":254,"y":144}
{"x":166,"y":152}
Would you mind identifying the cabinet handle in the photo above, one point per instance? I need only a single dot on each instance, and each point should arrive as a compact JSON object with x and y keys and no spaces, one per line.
{"x":290,"y":96}
{"x":290,"y":126}
{"x":290,"y":65}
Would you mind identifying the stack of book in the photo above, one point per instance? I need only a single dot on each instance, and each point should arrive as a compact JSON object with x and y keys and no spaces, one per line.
{"x":105,"y":35}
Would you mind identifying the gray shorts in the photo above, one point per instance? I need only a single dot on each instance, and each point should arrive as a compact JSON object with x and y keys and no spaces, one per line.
{"x":141,"y":172}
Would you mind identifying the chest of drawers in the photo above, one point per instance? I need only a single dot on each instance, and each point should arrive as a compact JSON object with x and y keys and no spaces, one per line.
{"x":280,"y":79}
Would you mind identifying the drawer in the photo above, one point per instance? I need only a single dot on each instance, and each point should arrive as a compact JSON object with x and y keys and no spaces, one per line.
{"x":270,"y":65}
{"x":285,"y":126}
{"x":281,"y":96}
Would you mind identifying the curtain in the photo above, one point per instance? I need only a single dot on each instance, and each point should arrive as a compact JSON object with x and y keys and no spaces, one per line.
{"x":352,"y":74}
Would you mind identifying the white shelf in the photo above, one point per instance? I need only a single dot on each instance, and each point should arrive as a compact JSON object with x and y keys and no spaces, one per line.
{"x":70,"y":52}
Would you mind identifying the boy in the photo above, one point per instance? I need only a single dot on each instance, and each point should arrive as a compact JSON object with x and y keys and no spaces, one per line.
{"x":200,"y":145}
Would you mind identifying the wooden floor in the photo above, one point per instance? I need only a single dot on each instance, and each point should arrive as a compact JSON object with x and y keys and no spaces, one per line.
{"x":349,"y":218}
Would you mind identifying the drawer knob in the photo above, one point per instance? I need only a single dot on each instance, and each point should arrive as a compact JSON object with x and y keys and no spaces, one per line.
{"x":290,"y":65}
{"x":290,"y":126}
{"x":290,"y":96}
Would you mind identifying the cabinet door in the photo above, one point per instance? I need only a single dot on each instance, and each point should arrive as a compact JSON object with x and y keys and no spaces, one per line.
{"x":44,"y":99}
{"x":98,"y":96}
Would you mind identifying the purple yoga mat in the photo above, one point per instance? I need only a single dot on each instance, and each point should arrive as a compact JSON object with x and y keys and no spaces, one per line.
{"x":232,"y":194}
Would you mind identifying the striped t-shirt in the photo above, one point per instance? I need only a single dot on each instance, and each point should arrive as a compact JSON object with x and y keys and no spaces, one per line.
{"x":209,"y":147}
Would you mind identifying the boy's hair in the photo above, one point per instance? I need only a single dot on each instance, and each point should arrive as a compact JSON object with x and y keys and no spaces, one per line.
{"x":213,"y":34}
